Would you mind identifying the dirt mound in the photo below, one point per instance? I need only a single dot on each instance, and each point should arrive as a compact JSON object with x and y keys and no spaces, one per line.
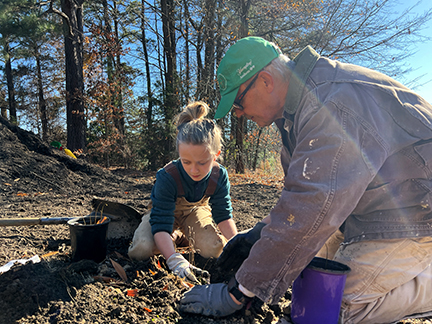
{"x":30,"y":166}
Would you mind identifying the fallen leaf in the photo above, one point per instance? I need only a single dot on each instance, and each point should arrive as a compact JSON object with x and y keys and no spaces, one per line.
{"x":119,"y":270}
{"x":49,"y":254}
{"x":186,"y":284}
{"x":152,"y":272}
{"x":17,"y":179}
{"x":132,"y":292}
{"x":147,"y":309}
{"x":119,"y":255}
{"x":7,"y":184}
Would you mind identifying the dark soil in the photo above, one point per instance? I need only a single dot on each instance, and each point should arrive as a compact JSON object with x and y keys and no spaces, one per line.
{"x":39,"y":181}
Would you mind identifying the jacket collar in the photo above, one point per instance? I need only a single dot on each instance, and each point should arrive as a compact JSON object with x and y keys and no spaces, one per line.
{"x":304,"y":63}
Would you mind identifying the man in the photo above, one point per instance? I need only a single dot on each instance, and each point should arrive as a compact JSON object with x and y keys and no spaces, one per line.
{"x":357,"y":157}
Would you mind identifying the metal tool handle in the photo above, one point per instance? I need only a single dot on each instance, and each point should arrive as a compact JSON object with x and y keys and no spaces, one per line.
{"x":34,"y":221}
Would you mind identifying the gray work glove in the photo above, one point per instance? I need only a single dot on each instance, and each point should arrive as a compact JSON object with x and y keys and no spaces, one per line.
{"x":209,"y":300}
{"x":237,"y":249}
{"x":182,"y":268}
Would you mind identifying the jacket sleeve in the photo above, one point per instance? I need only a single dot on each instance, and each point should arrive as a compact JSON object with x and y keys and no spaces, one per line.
{"x":335,"y":157}
{"x":220,"y":201}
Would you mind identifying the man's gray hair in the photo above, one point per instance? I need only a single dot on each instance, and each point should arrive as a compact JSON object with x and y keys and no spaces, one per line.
{"x":279,"y":66}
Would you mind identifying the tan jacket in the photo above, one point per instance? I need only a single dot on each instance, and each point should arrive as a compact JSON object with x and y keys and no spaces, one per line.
{"x":358,"y":154}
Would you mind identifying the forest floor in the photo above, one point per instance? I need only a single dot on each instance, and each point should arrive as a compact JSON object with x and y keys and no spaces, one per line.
{"x":39,"y":181}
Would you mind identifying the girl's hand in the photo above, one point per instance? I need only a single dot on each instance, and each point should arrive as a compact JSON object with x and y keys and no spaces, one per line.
{"x":182,"y":268}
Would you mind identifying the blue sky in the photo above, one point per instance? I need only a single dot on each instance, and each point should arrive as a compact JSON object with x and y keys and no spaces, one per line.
{"x":421,"y":62}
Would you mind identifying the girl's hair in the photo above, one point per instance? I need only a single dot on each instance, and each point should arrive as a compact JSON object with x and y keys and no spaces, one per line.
{"x":194,"y":128}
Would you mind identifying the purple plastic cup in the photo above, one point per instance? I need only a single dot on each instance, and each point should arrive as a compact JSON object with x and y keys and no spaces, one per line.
{"x":317,"y":292}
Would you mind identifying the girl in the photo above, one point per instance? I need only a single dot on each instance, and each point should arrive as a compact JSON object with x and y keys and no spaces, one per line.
{"x":190,"y":194}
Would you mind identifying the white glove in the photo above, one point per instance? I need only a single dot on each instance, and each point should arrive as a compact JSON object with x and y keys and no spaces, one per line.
{"x":182,"y":268}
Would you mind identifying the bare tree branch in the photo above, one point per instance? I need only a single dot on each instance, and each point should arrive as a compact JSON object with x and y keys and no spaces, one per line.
{"x":51,"y":9}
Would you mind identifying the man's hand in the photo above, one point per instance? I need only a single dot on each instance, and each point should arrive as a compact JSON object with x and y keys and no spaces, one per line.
{"x":209,"y":300}
{"x":182,"y":268}
{"x":237,"y":249}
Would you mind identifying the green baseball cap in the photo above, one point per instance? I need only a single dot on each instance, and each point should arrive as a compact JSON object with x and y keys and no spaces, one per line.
{"x":242,"y":60}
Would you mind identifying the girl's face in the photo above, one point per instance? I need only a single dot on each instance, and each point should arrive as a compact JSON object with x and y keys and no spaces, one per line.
{"x":196,"y":160}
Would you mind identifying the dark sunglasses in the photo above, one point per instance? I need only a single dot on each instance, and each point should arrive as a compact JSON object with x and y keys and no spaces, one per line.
{"x":237,"y":102}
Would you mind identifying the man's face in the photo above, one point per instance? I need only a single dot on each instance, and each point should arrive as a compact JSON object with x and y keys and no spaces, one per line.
{"x":257,"y":103}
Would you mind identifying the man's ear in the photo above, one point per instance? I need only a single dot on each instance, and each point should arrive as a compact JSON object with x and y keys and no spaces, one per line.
{"x":268,"y":80}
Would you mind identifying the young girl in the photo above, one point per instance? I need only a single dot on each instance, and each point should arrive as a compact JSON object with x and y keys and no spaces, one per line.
{"x":190,"y":194}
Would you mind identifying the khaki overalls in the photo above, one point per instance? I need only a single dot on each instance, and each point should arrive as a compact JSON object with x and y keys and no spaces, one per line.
{"x":194,"y":220}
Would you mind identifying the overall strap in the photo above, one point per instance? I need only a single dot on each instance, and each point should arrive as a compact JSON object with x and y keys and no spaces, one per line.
{"x":173,"y":171}
{"x":211,"y":187}
{"x":214,"y":177}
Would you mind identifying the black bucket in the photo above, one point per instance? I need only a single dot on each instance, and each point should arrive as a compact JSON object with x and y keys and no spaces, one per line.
{"x":88,"y":239}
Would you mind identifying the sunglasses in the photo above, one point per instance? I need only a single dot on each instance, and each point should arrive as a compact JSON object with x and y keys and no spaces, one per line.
{"x":237,"y":102}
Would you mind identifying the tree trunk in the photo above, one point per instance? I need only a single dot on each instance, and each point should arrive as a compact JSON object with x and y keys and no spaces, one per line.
{"x":243,"y":32}
{"x":255,"y":158}
{"x":219,"y":49}
{"x":151,"y":155}
{"x":119,"y":114}
{"x":209,"y":50}
{"x":42,"y":102}
{"x":74,"y":74}
{"x":11,"y":87}
{"x":172,"y":104}
{"x":107,"y":34}
{"x":239,"y":147}
{"x":3,"y":104}
{"x":187,"y":52}
{"x":199,"y":63}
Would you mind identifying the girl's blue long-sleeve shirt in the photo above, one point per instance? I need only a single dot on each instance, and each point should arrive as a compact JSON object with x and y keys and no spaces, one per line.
{"x":164,"y":196}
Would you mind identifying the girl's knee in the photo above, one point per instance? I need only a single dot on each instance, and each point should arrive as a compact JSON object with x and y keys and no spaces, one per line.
{"x":141,"y":250}
{"x":143,"y":245}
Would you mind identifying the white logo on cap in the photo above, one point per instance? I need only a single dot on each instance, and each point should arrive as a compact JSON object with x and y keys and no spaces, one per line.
{"x":248,"y":67}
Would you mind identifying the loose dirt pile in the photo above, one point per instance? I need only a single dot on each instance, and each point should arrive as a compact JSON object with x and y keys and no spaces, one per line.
{"x":39,"y":181}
